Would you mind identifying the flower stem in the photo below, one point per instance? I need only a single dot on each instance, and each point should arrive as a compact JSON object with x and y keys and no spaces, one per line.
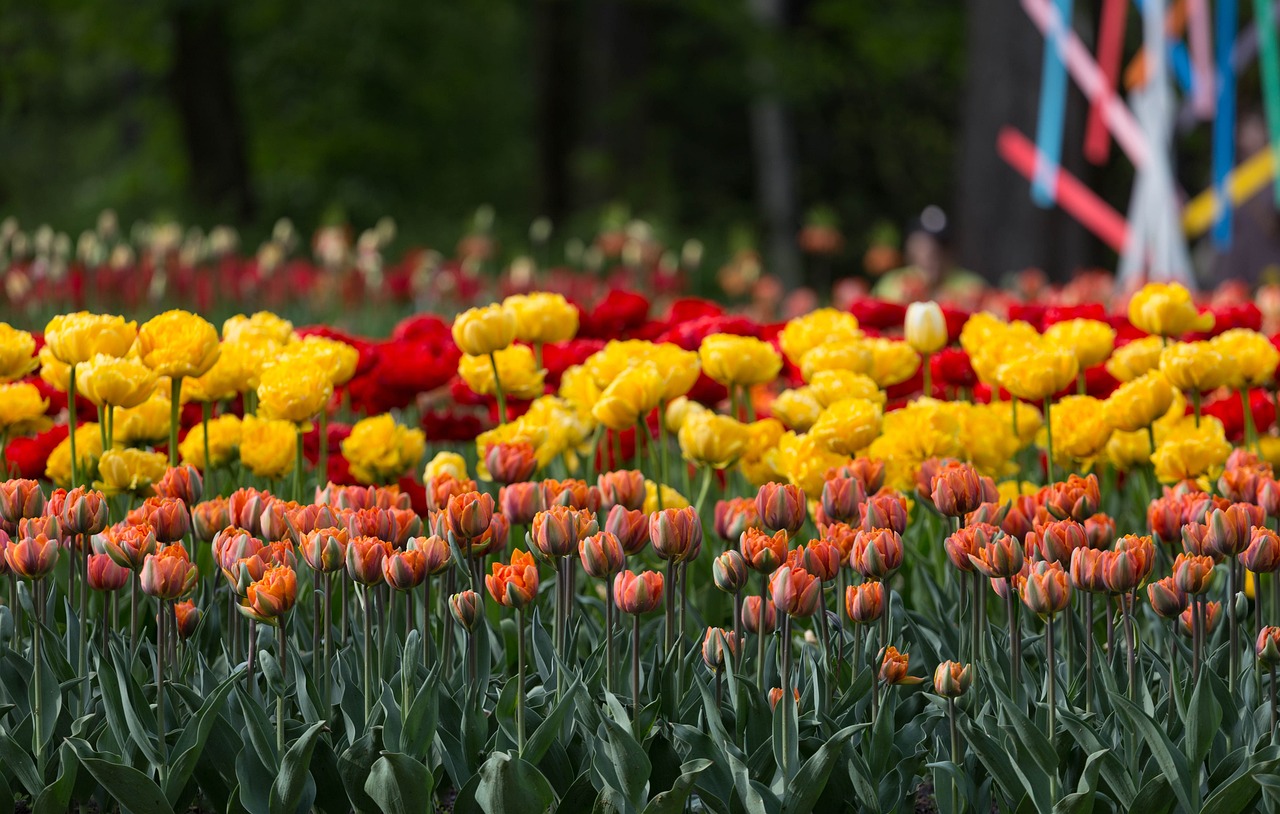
{"x":284,"y":674}
{"x":1233,"y":655}
{"x":608,"y":640}
{"x":927,"y":370}
{"x":84,"y":616}
{"x":1052,"y":665}
{"x":38,"y":678}
{"x":161,"y":625}
{"x":206,"y":412}
{"x":175,"y":407}
{"x":1048,"y":429}
{"x":635,"y":669}
{"x":520,"y":680}
{"x":322,"y":461}
{"x":497,"y":390}
{"x":368,"y":651}
{"x":297,"y":466}
{"x":955,"y":745}
{"x":787,"y":701}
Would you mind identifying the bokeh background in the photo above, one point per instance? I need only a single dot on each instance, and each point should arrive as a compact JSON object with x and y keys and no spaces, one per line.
{"x":736,"y":121}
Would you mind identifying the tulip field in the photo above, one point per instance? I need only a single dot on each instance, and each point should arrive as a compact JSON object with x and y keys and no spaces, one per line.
{"x":539,"y":555}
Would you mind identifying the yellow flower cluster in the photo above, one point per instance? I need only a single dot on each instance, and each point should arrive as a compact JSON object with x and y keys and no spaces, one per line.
{"x":379,"y":450}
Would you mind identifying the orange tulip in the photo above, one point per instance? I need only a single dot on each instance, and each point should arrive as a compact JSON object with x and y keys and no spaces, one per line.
{"x":864,"y":603}
{"x":84,"y":511}
{"x":514,"y":585}
{"x":637,"y":593}
{"x":189,"y":618}
{"x":364,"y":559}
{"x":894,"y":667}
{"x":404,"y":570}
{"x":128,"y":545}
{"x":781,"y":507}
{"x":105,"y":575}
{"x":325,"y":550}
{"x":510,"y":463}
{"x":621,"y":488}
{"x":168,"y":516}
{"x":169,"y":573}
{"x":20,"y":498}
{"x":181,"y":482}
{"x":765,"y":553}
{"x":32,"y":557}
{"x":469,"y":514}
{"x":271,"y":596}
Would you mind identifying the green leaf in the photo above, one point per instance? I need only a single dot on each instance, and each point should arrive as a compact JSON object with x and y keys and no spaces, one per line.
{"x":1170,"y":761}
{"x":17,"y":759}
{"x":672,"y":801}
{"x":117,"y":696}
{"x":628,"y":761}
{"x":806,"y":787}
{"x":1233,"y":796}
{"x":1029,"y":735}
{"x":261,"y":735}
{"x":50,"y":698}
{"x":286,"y":791}
{"x":422,"y":718}
{"x":255,"y":781}
{"x":547,"y":731}
{"x":1204,"y":718}
{"x":194,"y":736}
{"x":125,"y":784}
{"x":354,"y":765}
{"x":996,"y":758}
{"x":399,"y":784}
{"x":509,"y":785}
{"x":57,"y":795}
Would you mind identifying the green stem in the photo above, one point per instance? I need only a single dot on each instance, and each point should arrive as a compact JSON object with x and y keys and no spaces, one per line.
{"x":703,"y":489}
{"x":297,"y":466}
{"x":102,"y":428}
{"x":760,"y":635}
{"x":175,"y":406}
{"x":367,"y":601}
{"x":497,"y":390}
{"x":82,"y":622}
{"x":787,"y":700}
{"x":955,"y":745}
{"x":322,"y":462}
{"x":1233,"y":657}
{"x":1250,"y":433}
{"x":37,"y":676}
{"x":1048,"y":428}
{"x":71,"y":425}
{"x":927,"y":370}
{"x":162,"y":623}
{"x":1195,"y":403}
{"x":206,"y":411}
{"x":635,"y":671}
{"x":1051,"y":663}
{"x":520,"y":680}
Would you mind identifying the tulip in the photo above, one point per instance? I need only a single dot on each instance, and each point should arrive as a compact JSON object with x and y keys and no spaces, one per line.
{"x":751,"y":611}
{"x":232,"y":544}
{"x":894,"y":667}
{"x":1263,"y":554}
{"x":865,"y":603}
{"x":967,"y":542}
{"x":364,"y":559}
{"x":676,"y":534}
{"x":1119,"y":571}
{"x":181,"y":482}
{"x":631,"y":527}
{"x":763,"y":552}
{"x":1100,"y":531}
{"x":1046,"y":590}
{"x":795,"y":591}
{"x":885,"y":511}
{"x":325,"y":550}
{"x":1001,"y":557}
{"x":271,"y":596}
{"x":1167,"y":599}
{"x":32,"y":557}
{"x":1192,"y":573}
{"x":557,"y":531}
{"x":958,"y":489}
{"x":1087,"y":570}
{"x":877,"y":553}
{"x":210,"y":517}
{"x":624,"y":488}
{"x":465,"y":608}
{"x":601,"y":554}
{"x":822,"y":559}
{"x":1166,"y":310}
{"x":444,"y":486}
{"x":842,"y":499}
{"x":1240,"y":484}
{"x":715,"y":644}
{"x":468,"y":515}
{"x":575,"y":494}
{"x":514,"y":585}
{"x":20,"y":498}
{"x":1268,"y":495}
{"x":925,"y":328}
{"x":83,"y":512}
{"x":1195,"y":538}
{"x":781,"y":507}
{"x":169,"y":573}
{"x":245,"y":507}
{"x":952,"y":679}
{"x":188,"y":617}
{"x":1143,"y":552}
{"x":1056,"y":540}
{"x":1268,"y":646}
{"x":520,"y":501}
{"x":482,"y":331}
{"x":1230,"y":529}
{"x":128,"y":545}
{"x":1076,"y":498}
{"x":775,"y":695}
{"x":105,"y":575}
{"x":638,"y":593}
{"x":734,"y":516}
{"x":274,"y":523}
{"x":404,"y":570}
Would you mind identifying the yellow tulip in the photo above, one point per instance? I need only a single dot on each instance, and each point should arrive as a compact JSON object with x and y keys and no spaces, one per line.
{"x":820,"y":327}
{"x":830,"y":386}
{"x":678,"y":411}
{"x":54,"y":372}
{"x":482,"y":331}
{"x":1249,"y":356}
{"x":263,"y":325}
{"x":517,"y":370}
{"x":736,"y":361}
{"x":1089,"y":339}
{"x":797,"y":408}
{"x":76,"y":338}
{"x":236,"y":371}
{"x":17,"y":353}
{"x":1080,"y":428}
{"x":338,"y":358}
{"x":852,"y":355}
{"x":147,"y":423}
{"x":542,"y":317}
{"x":1135,"y":404}
{"x":1164,"y":309}
{"x":57,"y":466}
{"x":268,"y":446}
{"x":717,"y":441}
{"x":847,"y":426}
{"x":130,"y":470}
{"x":1135,"y":359}
{"x":1194,"y":367}
{"x":1129,"y":450}
{"x":178,"y":344}
{"x":1040,"y":373}
{"x":805,"y":461}
{"x":22,"y":410}
{"x":112,"y":381}
{"x":445,"y":463}
{"x":1188,"y":452}
{"x":679,"y":367}
{"x":294,"y":392}
{"x":629,"y":397}
{"x":380,"y":450}
{"x":224,"y":443}
{"x":892,"y":362}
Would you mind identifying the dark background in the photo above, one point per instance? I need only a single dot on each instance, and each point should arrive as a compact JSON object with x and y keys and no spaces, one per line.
{"x":729,"y":120}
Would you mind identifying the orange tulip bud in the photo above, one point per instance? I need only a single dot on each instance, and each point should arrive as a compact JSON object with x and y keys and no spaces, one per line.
{"x":465,"y":608}
{"x":364,"y":559}
{"x":781,"y":507}
{"x":1263,"y":554}
{"x":1268,"y":646}
{"x":168,"y":516}
{"x":894,"y":666}
{"x":842,"y":499}
{"x":1087,"y":570}
{"x":510,"y":463}
{"x":716,"y":643}
{"x":601,"y":555}
{"x":885,"y":511}
{"x":1076,"y":498}
{"x":444,"y":486}
{"x":864,"y":603}
{"x":676,"y":534}
{"x":1046,"y":589}
{"x":325,"y":550}
{"x":209,"y":518}
{"x":877,"y":553}
{"x":404,"y":570}
{"x":105,"y":574}
{"x":245,"y":507}
{"x":1167,"y":599}
{"x":822,"y":559}
{"x":1231,"y":529}
{"x":775,"y":695}
{"x":20,"y":498}
{"x":33,"y":557}
{"x":83,"y":512}
{"x":1192,"y":573}
{"x":795,"y":591}
{"x":752,"y":609}
{"x":957,"y":489}
{"x":967,"y":542}
{"x":469,"y":515}
{"x":557,"y":531}
{"x":271,"y":596}
{"x":621,"y":488}
{"x":637,"y":593}
{"x":734,"y":516}
{"x":952,"y":679}
{"x":1001,"y":557}
{"x":189,"y":618}
{"x":436,"y":553}
{"x":765,"y":553}
{"x":575,"y":494}
{"x":1212,"y":615}
{"x":128,"y":545}
{"x":1057,"y":539}
{"x":514,"y":585}
{"x":169,"y":573}
{"x":520,"y":501}
{"x":181,"y":483}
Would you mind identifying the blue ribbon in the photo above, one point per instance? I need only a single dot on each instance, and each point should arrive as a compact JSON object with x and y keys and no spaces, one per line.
{"x":1053,"y":109}
{"x":1224,"y":122}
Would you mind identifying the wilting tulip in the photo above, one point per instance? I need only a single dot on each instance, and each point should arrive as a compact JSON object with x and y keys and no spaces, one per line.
{"x":404,"y":570}
{"x":952,"y":679}
{"x":1268,"y":646}
{"x":168,"y":516}
{"x":1231,"y":529}
{"x":958,"y":489}
{"x":105,"y":574}
{"x":1057,"y":539}
{"x":20,"y":498}
{"x":32,"y":558}
{"x":621,"y":488}
{"x":1087,"y":570}
{"x":751,"y":615}
{"x":885,"y":511}
{"x":601,"y":554}
{"x":83,"y":512}
{"x":557,"y":531}
{"x":715,"y":645}
{"x":510,"y":463}
{"x":734,"y":516}
{"x":729,"y":571}
{"x":128,"y":545}
{"x":575,"y":494}
{"x":169,"y":573}
{"x":272,"y":596}
{"x":469,"y":514}
{"x":1167,"y":599}
{"x":676,"y":534}
{"x":822,"y":559}
{"x":1076,"y":498}
{"x":781,"y":507}
{"x":1192,"y":573}
{"x":514,"y":585}
{"x":765,"y":553}
{"x":795,"y":591}
{"x":842,"y":499}
{"x":1000,"y":558}
{"x":465,"y":609}
{"x":877,"y":553}
{"x":775,"y":695}
{"x":181,"y":482}
{"x":967,"y":542}
{"x":1212,"y":615}
{"x":1046,"y":590}
{"x":864,"y":603}
{"x":364,"y":559}
{"x":1263,"y":554}
{"x":631,"y":527}
{"x":189,"y":618}
{"x":325,"y":550}
{"x":894,"y":667}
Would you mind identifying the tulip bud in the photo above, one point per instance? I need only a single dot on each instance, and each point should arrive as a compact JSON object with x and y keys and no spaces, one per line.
{"x":469,"y":514}
{"x":1056,"y":540}
{"x":436,"y":552}
{"x":168,"y":574}
{"x":1167,"y":599}
{"x":128,"y":545}
{"x":1240,"y":484}
{"x":1192,"y":573}
{"x":1268,"y":496}
{"x":1263,"y":554}
{"x":952,"y":679}
{"x":877,"y":553}
{"x":729,"y":570}
{"x":232,"y":545}
{"x":245,"y":507}
{"x":556,"y":531}
{"x":1142,"y":552}
{"x":514,"y":585}
{"x":32,"y":557}
{"x":325,"y":550}
{"x":1087,"y":570}
{"x":795,"y":591}
{"x":1231,"y":529}
{"x":209,"y":518}
{"x":601,"y":555}
{"x":181,"y":483}
{"x":364,"y":559}
{"x":1164,"y":518}
{"x":1119,"y":571}
{"x":520,"y":501}
{"x":925,"y":327}
{"x":622,"y":488}
{"x":404,"y":570}
{"x":1076,"y":498}
{"x":958,"y":489}
{"x":637,"y":593}
{"x":763,"y":552}
{"x":189,"y":618}
{"x":1195,"y":540}
{"x":83,"y":512}
{"x":775,"y":695}
{"x":676,"y":533}
{"x":510,"y":463}
{"x":631,"y":527}
{"x":967,"y":542}
{"x":495,"y":540}
{"x":752,"y":609}
{"x":271,"y":596}
{"x":885,"y":511}
{"x":1046,"y":590}
{"x":822,"y":559}
{"x":864,"y":603}
{"x":465,"y":607}
{"x":274,"y":523}
{"x":734,"y":516}
{"x":20,"y":498}
{"x":1100,"y":532}
{"x":1212,"y":615}
{"x":1000,"y":558}
{"x":168,"y":516}
{"x":842,"y":499}
{"x":575,"y":494}
{"x":105,"y":575}
{"x":715,"y":644}
{"x":1268,"y":646}
{"x":781,"y":506}
{"x":894,"y":667}
{"x":869,"y":472}
{"x":840,"y":535}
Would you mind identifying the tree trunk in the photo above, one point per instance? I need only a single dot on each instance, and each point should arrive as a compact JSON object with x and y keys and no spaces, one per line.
{"x":204,"y":95}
